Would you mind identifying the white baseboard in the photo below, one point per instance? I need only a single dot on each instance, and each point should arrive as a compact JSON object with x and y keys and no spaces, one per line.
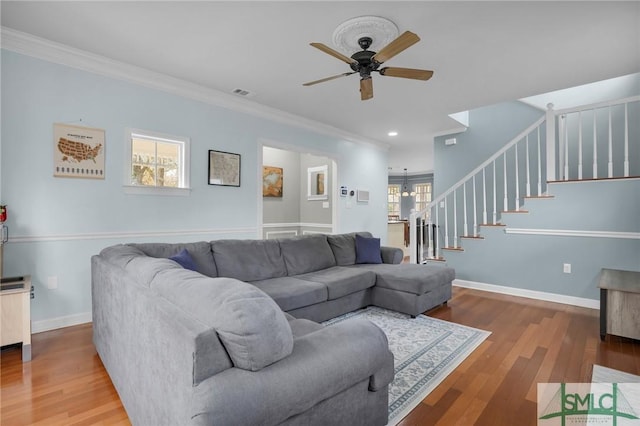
{"x":85,"y":317}
{"x":531,"y":294}
{"x":60,"y":322}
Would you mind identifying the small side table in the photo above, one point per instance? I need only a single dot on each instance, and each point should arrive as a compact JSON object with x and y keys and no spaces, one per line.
{"x":619,"y":303}
{"x":15,"y":312}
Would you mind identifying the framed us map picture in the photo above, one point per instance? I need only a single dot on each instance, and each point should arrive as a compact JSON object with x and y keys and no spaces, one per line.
{"x":78,"y":151}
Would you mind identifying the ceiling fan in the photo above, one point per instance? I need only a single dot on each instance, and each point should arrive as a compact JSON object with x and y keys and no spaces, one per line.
{"x":366,"y":62}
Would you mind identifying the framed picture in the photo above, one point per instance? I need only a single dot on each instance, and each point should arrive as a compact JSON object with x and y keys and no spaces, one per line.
{"x":78,"y":151}
{"x":317,"y":183}
{"x":272,"y":178}
{"x":224,"y":168}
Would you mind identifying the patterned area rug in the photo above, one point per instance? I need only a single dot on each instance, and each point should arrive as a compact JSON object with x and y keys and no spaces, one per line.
{"x":425,"y":351}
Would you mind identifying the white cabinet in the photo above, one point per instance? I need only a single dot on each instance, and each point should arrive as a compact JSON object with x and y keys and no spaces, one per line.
{"x":15,"y":313}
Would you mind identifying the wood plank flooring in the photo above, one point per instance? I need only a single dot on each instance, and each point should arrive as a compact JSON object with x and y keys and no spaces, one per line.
{"x":531,"y":342}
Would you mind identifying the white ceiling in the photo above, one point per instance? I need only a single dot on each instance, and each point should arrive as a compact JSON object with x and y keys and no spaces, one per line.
{"x":481,"y":52}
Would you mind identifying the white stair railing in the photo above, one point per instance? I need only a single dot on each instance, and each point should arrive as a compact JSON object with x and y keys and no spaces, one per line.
{"x":585,"y":134}
{"x":597,"y":134}
{"x":485,"y":181}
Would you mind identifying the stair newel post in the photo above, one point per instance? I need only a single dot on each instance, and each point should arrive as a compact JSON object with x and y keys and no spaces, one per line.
{"x":431,"y":252}
{"x":551,"y":143}
{"x":626,"y":141}
{"x":413,"y":237}
{"x":437,"y":245}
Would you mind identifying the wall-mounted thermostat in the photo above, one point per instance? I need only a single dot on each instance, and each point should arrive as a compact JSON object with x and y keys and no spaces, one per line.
{"x":344,"y":191}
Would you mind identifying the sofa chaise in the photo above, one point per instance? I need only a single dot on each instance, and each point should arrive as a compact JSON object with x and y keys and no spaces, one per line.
{"x":234,"y":338}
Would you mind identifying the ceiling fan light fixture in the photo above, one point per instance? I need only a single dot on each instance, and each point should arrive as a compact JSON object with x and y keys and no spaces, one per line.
{"x":392,"y":133}
{"x":405,"y":186}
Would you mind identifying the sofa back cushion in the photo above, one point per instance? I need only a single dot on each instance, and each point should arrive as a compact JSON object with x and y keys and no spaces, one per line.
{"x":252,"y":328}
{"x":135,"y":261}
{"x":306,"y":253}
{"x":344,"y":247}
{"x":200,"y":252}
{"x":248,"y":260}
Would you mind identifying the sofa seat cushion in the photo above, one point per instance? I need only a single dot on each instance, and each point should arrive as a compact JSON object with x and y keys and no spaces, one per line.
{"x":252,"y":328}
{"x":293,"y":293}
{"x":248,"y":260}
{"x":200,"y":252}
{"x":341,"y":281}
{"x":306,"y":253}
{"x":410,"y":278}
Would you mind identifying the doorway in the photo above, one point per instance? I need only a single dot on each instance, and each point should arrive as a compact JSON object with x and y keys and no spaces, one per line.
{"x":297,"y":193}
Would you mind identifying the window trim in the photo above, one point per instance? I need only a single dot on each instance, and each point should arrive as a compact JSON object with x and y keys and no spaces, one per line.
{"x":426,"y":185}
{"x":185,"y":175}
{"x":399,"y":203}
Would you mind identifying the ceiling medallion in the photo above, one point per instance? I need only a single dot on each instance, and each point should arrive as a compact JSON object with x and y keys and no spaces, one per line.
{"x":381,"y":30}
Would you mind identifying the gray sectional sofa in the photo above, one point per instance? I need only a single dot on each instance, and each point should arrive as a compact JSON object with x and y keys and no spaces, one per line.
{"x":236,"y":341}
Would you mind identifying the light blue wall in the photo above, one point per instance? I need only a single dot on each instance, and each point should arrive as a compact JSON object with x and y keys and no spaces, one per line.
{"x":56,"y":224}
{"x":535,"y":262}
{"x":490,"y":128}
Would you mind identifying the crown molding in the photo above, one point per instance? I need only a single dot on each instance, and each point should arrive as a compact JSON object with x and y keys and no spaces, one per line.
{"x":47,"y":50}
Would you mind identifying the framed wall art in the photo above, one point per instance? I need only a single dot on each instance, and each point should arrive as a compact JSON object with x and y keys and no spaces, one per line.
{"x":78,"y":151}
{"x":224,"y":168}
{"x":272,"y":178}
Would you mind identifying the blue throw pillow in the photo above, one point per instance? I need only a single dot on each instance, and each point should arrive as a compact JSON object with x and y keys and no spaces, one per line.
{"x":367,"y":250}
{"x":185,"y":260}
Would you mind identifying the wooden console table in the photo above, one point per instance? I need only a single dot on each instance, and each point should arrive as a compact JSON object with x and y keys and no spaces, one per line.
{"x":15,"y":313}
{"x":619,"y":303}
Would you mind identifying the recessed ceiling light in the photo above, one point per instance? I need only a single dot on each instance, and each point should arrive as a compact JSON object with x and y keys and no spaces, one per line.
{"x":392,"y":133}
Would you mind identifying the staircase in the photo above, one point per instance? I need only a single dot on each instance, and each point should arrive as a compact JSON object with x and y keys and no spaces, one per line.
{"x":584,"y":144}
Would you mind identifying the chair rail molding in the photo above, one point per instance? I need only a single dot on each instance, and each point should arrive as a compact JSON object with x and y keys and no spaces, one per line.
{"x":573,"y":233}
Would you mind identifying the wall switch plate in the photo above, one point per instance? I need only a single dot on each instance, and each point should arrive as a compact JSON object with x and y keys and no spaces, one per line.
{"x":566,"y":268}
{"x":52,"y":283}
{"x":325,"y":204}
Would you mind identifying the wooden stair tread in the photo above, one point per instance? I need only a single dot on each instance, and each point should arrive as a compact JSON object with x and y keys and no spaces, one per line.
{"x":533,"y":197}
{"x":492,"y":224}
{"x":435,"y":259}
{"x":515,"y":211}
{"x":473,"y":237}
{"x":453,"y":248}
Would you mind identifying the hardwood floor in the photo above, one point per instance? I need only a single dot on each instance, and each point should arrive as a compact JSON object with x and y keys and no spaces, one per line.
{"x":531,"y":342}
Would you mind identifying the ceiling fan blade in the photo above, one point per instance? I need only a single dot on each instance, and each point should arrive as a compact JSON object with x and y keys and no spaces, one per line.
{"x":322,"y":80}
{"x":366,"y":88}
{"x":407,"y":73}
{"x":403,"y":41}
{"x":334,"y":53}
